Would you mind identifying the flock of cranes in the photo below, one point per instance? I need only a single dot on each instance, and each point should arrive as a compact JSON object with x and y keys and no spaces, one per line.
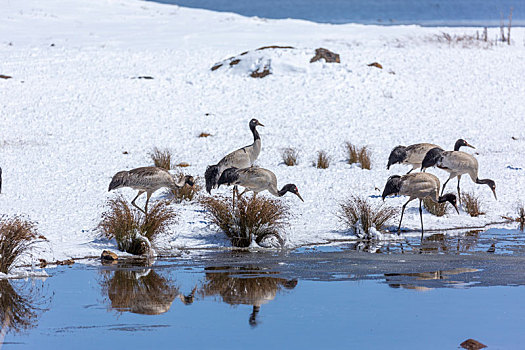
{"x":236,"y":168}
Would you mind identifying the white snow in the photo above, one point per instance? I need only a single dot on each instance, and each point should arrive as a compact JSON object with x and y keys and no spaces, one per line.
{"x":72,"y":109}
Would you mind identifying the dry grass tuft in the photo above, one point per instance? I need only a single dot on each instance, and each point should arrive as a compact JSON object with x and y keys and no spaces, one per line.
{"x":16,"y":237}
{"x":360,"y":215}
{"x":358,"y":155}
{"x":252,"y":218}
{"x":204,"y":134}
{"x":322,"y":161}
{"x":182,"y":165}
{"x":161,"y":158}
{"x":437,"y":209}
{"x":129,"y":227}
{"x":186,"y":193}
{"x":289,"y":156}
{"x":472,"y":204}
{"x":464,"y":40}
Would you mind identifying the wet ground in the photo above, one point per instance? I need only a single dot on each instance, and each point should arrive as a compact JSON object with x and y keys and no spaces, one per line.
{"x":409,"y":294}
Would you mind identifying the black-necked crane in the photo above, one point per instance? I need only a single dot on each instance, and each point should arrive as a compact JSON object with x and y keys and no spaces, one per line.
{"x":149,"y":180}
{"x":256,"y":180}
{"x":241,"y":158}
{"x":456,"y":163}
{"x":417,"y":186}
{"x":414,"y":154}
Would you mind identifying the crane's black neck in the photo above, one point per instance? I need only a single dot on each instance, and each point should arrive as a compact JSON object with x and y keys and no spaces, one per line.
{"x":286,"y":188}
{"x":255,"y":133}
{"x":484,"y":181}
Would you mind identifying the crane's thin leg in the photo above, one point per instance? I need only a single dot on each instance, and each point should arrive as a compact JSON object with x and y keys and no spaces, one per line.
{"x":243,"y":192}
{"x":146,"y":208}
{"x":421,"y":216}
{"x":134,"y":199}
{"x":459,"y":195}
{"x":233,"y":196}
{"x":443,"y":189}
{"x":402,"y":212}
{"x":410,"y":171}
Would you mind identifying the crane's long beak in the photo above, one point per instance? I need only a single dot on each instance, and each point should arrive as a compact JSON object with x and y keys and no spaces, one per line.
{"x":259,"y":124}
{"x":298,"y":195}
{"x":469,"y":145}
{"x":456,"y":207}
{"x":494,"y":191}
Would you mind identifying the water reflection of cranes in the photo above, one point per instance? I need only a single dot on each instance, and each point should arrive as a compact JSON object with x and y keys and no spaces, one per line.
{"x":424,"y":281}
{"x":141,"y":291}
{"x":248,"y":285}
{"x":20,"y":306}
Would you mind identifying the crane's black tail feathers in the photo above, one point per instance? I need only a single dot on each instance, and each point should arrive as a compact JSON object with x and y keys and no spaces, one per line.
{"x":432,"y":157}
{"x":212,"y":177}
{"x":229,"y":176}
{"x":118,"y":180}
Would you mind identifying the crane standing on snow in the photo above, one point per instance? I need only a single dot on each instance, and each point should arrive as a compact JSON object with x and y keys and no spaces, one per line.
{"x":241,"y":158}
{"x":420,"y":186}
{"x":456,"y":163}
{"x":414,"y":154}
{"x":255,"y":180}
{"x":149,"y":180}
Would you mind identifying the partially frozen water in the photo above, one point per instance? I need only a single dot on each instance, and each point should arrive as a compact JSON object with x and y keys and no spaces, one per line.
{"x":432,"y":296}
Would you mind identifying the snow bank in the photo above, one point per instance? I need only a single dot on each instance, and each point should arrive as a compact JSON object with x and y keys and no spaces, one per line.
{"x":72,"y":115}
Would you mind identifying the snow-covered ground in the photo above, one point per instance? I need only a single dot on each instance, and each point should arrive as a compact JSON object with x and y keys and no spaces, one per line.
{"x":72,"y":109}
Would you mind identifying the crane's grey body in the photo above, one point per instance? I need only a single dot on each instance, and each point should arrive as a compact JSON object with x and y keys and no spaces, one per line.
{"x":241,"y":158}
{"x":412,"y":155}
{"x":417,"y":186}
{"x":456,"y":163}
{"x":147,"y":179}
{"x":256,"y":180}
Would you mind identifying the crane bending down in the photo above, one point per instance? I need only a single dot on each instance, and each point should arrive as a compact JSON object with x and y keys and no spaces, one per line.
{"x":241,"y":158}
{"x":456,"y":163}
{"x":149,"y":180}
{"x":420,"y":186}
{"x":255,"y":180}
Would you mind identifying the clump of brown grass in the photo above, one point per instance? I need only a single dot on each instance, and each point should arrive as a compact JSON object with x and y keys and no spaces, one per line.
{"x":437,"y":209}
{"x":322,"y":161}
{"x":289,"y":156}
{"x":130,"y":228}
{"x":359,"y":215}
{"x":182,"y":165}
{"x":358,"y":155}
{"x":204,"y":134}
{"x":251,"y":218}
{"x":471,"y":204}
{"x":186,"y":193}
{"x":16,"y":237}
{"x":161,"y":158}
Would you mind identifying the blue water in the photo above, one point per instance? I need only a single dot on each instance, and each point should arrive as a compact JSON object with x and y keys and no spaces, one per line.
{"x":305,"y":299}
{"x":385,"y":12}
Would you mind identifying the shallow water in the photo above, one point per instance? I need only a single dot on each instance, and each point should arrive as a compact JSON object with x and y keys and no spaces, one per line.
{"x":322,"y":297}
{"x":384,"y":12}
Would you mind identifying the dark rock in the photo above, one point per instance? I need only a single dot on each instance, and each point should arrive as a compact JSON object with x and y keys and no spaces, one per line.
{"x":274,"y":47}
{"x":329,"y":56}
{"x":5,"y":76}
{"x":125,"y":152}
{"x":108,"y":255}
{"x":261,"y":74}
{"x":216,"y":66}
{"x":234,"y":62}
{"x":471,"y":344}
{"x":375,"y":64}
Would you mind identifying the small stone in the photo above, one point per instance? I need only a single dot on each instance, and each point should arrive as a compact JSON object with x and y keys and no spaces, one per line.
{"x":2,"y":76}
{"x":471,"y":344}
{"x":43,"y":263}
{"x":375,"y":64}
{"x":329,"y":56}
{"x":125,"y":152}
{"x":183,"y":165}
{"x":108,"y":255}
